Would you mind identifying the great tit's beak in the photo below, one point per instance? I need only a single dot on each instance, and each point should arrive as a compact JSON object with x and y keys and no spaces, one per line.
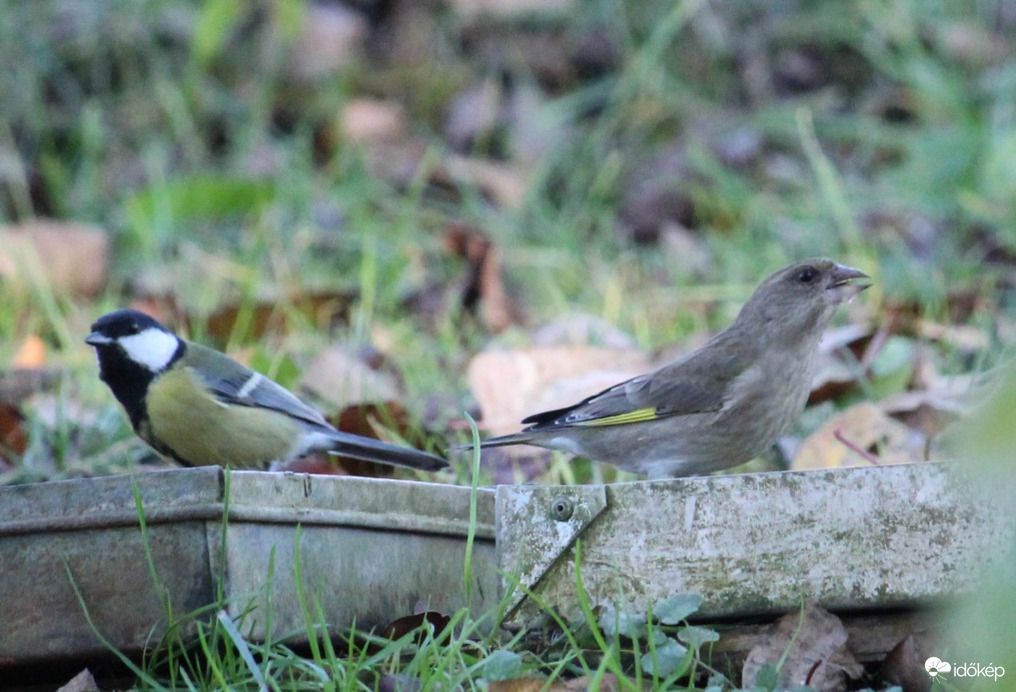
{"x":844,"y":276}
{"x":97,"y":339}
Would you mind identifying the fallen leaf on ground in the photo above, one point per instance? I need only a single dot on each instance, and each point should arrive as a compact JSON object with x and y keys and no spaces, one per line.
{"x":503,"y":183}
{"x":510,"y":385}
{"x":68,"y":258}
{"x":812,"y":646}
{"x":343,"y":379}
{"x":402,"y":626}
{"x":321,"y":308}
{"x":365,"y":120}
{"x":904,"y":665}
{"x":13,"y":439}
{"x":331,"y":36}
{"x":961,"y":336}
{"x":485,"y":293}
{"x":82,"y":682}
{"x":20,"y":383}
{"x":932,"y":410}
{"x":859,"y":436}
{"x":834,"y":376}
{"x":527,"y":684}
{"x":30,"y":354}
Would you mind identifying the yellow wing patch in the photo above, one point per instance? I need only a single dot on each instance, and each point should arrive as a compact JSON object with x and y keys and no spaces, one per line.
{"x":637,"y":416}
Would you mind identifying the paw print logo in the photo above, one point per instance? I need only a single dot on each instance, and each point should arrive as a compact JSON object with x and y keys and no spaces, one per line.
{"x":936,"y":666}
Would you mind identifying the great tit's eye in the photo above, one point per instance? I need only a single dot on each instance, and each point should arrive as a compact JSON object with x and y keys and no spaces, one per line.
{"x":806,"y":275}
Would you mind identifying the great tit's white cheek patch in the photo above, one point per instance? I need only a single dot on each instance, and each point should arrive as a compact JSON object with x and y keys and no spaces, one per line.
{"x":152,"y":348}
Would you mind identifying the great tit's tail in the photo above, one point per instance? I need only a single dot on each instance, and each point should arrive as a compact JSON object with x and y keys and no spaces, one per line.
{"x":369,"y":449}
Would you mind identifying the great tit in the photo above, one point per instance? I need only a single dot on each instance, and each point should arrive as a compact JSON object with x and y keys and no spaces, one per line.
{"x":719,"y":406}
{"x":200,"y":407}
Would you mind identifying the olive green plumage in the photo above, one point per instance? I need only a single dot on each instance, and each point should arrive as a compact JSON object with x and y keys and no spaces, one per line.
{"x":200,"y":407}
{"x":721,"y":405}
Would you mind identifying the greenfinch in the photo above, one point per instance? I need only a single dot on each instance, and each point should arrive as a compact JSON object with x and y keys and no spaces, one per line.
{"x":723,"y":404}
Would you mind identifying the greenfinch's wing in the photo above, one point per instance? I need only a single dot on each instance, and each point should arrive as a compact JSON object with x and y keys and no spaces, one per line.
{"x":232,"y":383}
{"x":701,"y":382}
{"x":696,"y":384}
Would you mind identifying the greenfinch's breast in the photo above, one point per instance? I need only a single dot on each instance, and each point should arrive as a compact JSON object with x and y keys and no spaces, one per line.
{"x":199,"y":430}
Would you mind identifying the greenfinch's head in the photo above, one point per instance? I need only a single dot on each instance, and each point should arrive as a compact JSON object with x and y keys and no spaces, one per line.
{"x":801,"y":298}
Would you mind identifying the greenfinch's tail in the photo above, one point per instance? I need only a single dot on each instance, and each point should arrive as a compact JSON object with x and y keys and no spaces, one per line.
{"x":520,"y":438}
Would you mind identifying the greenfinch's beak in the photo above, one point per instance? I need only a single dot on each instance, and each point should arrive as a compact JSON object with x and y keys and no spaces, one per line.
{"x":845,"y":276}
{"x":97,"y":339}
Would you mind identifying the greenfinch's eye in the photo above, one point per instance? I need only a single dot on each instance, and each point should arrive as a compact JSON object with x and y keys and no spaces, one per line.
{"x":807,"y":275}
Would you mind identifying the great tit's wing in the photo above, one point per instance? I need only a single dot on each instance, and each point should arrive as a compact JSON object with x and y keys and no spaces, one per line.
{"x":232,"y":383}
{"x":696,"y":384}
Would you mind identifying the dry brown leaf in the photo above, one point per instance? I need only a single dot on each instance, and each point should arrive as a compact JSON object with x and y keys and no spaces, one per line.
{"x":510,"y":385}
{"x":13,"y":439}
{"x":82,"y":682}
{"x":859,"y":436}
{"x":961,"y":336}
{"x":18,"y":383}
{"x":341,"y":379}
{"x":322,"y":308}
{"x":163,"y":307}
{"x":942,"y":400}
{"x":526,"y":684}
{"x":813,"y":647}
{"x":485,"y":293}
{"x":30,"y":354}
{"x":404,"y":625}
{"x":331,"y":36}
{"x":904,"y":665}
{"x":503,"y":183}
{"x":69,"y":258}
{"x":369,"y":121}
{"x":371,"y":420}
{"x":833,"y":376}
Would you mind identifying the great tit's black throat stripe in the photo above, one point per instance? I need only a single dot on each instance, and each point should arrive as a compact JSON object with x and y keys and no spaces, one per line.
{"x":129,"y":381}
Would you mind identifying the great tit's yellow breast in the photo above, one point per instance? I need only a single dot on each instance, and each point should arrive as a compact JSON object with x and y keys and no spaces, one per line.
{"x":200,"y":430}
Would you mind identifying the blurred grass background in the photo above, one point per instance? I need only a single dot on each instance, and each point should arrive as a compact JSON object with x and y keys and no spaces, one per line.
{"x":631,"y":160}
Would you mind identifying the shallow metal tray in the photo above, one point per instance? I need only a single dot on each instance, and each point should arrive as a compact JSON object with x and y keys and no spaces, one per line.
{"x":370,"y":551}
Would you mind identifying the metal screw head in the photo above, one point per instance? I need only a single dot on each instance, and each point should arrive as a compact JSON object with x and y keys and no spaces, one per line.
{"x":561,"y":509}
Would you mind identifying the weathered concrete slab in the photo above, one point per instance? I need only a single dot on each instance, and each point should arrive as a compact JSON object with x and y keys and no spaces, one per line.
{"x":860,"y":538}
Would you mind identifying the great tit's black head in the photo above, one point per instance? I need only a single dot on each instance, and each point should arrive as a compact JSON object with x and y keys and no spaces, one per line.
{"x":134,"y":336}
{"x":133,"y":349}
